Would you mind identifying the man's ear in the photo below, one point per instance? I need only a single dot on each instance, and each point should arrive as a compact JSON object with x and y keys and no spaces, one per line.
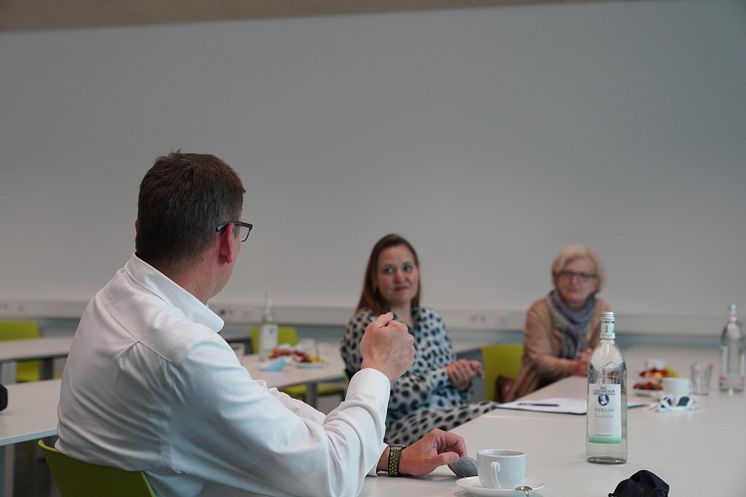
{"x":226,"y":246}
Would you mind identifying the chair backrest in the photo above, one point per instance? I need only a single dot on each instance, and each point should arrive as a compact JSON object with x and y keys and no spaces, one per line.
{"x":18,"y":330}
{"x":76,"y":478}
{"x":501,"y":360}
{"x":285,"y":334}
{"x":22,"y":330}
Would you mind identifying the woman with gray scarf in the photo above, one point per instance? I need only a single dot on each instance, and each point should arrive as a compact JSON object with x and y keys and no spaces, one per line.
{"x":562,"y":328}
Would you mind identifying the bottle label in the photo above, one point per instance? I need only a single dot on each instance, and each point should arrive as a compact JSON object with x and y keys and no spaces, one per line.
{"x":605,"y":413}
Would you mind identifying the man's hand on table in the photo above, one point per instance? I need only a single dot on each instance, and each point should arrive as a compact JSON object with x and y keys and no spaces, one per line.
{"x":435,"y":449}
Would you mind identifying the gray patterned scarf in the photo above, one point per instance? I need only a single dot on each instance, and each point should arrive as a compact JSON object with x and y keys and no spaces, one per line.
{"x":571,"y":323}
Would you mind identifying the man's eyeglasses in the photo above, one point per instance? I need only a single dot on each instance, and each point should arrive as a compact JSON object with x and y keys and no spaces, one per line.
{"x":567,"y":275}
{"x":244,"y":229}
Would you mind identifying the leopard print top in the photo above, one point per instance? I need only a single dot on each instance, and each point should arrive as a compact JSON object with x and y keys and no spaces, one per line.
{"x":425,"y":385}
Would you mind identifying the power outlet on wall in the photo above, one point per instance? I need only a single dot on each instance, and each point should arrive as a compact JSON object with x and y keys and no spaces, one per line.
{"x":13,"y":309}
{"x":478,"y":318}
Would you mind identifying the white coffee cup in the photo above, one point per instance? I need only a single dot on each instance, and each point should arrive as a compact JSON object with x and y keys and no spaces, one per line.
{"x":676,"y":386}
{"x":500,"y":468}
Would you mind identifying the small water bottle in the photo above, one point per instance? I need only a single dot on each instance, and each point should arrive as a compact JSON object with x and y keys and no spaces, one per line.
{"x":606,"y":419}
{"x":268,"y":330}
{"x":732,"y":354}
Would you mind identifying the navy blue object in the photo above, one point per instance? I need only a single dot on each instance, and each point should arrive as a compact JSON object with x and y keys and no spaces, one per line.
{"x":644,"y":483}
{"x":3,"y":397}
{"x":466,"y":466}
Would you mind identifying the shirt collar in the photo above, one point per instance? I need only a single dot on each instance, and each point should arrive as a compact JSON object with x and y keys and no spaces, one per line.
{"x":164,"y":287}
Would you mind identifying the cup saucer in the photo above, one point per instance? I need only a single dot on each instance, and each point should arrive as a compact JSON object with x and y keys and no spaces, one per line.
{"x":471,"y":484}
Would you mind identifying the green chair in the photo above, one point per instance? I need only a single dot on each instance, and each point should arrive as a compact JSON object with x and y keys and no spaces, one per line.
{"x":289,"y":335}
{"x":20,"y":330}
{"x":501,"y":364}
{"x":76,"y":478}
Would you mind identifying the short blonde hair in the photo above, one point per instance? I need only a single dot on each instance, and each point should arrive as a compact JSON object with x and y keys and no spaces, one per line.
{"x":572,"y":253}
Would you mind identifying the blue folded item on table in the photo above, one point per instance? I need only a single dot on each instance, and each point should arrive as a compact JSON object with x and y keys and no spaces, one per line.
{"x":276,"y":365}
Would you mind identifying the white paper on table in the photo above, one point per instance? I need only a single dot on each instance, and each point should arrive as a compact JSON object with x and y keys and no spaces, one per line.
{"x":560,"y":405}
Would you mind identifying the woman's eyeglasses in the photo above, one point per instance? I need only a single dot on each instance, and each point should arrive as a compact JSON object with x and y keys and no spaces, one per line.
{"x":568,"y":275}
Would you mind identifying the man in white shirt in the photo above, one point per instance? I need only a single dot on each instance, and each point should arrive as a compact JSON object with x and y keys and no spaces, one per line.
{"x":150,"y":385}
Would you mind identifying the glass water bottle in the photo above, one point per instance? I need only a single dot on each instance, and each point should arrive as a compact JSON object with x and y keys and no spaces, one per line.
{"x":268,"y":330}
{"x":732,"y":354}
{"x":606,"y":419}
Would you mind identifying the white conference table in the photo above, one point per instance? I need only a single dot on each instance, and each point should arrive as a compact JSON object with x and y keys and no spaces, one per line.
{"x":31,"y":414}
{"x":698,"y":453}
{"x":332,"y":369}
{"x":45,"y":349}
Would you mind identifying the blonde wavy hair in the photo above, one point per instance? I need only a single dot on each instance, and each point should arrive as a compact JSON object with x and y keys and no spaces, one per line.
{"x":572,"y":253}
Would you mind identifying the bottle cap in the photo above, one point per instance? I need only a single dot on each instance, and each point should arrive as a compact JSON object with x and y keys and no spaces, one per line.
{"x":607,"y":326}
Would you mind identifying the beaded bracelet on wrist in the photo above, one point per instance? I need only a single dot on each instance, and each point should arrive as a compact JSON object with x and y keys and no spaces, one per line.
{"x":394,"y":458}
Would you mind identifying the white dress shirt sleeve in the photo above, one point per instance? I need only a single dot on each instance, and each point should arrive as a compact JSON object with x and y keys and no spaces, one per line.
{"x":231,"y":430}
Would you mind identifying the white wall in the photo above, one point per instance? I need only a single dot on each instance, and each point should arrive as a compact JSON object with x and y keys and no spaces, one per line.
{"x":489,"y":137}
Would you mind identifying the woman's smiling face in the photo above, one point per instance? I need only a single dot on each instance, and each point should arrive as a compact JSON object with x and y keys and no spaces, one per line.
{"x":397,"y":276}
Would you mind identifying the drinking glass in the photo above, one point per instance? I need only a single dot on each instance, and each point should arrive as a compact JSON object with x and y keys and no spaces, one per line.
{"x":701,"y":376}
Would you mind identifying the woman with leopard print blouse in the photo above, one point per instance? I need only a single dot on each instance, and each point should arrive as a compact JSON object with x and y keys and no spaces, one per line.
{"x":435,"y":390}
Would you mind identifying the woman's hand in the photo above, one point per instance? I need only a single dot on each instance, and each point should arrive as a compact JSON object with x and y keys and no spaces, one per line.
{"x":580,"y":365}
{"x":461,"y":372}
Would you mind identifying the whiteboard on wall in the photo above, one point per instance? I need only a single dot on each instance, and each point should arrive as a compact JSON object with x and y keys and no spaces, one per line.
{"x":490,"y":138}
